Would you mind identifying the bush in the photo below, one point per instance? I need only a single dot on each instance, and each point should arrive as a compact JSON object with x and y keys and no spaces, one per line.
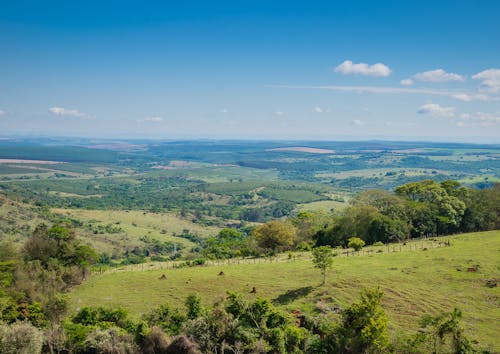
{"x":20,"y":338}
{"x":110,"y":341}
{"x":303,"y":246}
{"x":356,"y":243}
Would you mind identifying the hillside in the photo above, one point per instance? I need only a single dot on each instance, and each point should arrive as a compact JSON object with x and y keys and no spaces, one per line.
{"x":415,"y":283}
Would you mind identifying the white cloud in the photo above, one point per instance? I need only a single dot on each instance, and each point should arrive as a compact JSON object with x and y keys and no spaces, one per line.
{"x":460,"y":95}
{"x":151,"y":119}
{"x":376,"y":70}
{"x":2,"y":112}
{"x":357,"y":122}
{"x":64,"y":112}
{"x":317,"y":110}
{"x":438,"y":75}
{"x":482,"y":119}
{"x":490,"y":80}
{"x":406,"y":82}
{"x":436,"y":110}
{"x":468,"y":97}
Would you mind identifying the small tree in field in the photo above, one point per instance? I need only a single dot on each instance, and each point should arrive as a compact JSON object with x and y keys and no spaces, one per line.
{"x":356,"y":243}
{"x":323,"y":259}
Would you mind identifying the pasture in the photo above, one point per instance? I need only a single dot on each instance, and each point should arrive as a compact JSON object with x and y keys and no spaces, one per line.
{"x":415,"y":283}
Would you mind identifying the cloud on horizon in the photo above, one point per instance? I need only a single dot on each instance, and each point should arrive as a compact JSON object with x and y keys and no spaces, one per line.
{"x":459,"y":95}
{"x":357,"y":122}
{"x":64,"y":112}
{"x":151,"y":119}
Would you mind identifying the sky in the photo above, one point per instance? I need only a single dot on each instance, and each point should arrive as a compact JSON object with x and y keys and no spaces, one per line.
{"x":251,"y":69}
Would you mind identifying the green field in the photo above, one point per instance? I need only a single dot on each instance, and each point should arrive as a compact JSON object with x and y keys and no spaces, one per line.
{"x":134,"y":225}
{"x":415,"y":283}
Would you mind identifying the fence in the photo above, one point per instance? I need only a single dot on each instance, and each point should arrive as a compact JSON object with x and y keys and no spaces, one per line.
{"x":413,"y":245}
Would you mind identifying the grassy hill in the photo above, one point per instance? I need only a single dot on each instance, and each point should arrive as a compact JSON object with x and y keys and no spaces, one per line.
{"x":415,"y":283}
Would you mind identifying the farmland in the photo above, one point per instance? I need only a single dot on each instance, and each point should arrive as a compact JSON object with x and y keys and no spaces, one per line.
{"x":415,"y":283}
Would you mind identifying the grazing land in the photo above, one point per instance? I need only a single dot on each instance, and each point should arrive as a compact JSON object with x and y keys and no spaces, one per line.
{"x":415,"y":283}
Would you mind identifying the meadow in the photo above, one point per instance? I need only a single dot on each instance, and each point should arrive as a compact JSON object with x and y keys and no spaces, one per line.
{"x":415,"y":283}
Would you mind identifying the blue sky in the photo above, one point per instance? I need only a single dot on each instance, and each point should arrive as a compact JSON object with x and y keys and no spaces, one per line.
{"x":251,"y":69}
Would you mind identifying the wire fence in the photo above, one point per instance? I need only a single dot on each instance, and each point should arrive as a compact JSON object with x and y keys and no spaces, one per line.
{"x":423,"y":244}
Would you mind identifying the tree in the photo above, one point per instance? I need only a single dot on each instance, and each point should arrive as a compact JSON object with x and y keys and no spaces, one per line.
{"x":194,"y":306}
{"x":323,"y":259}
{"x":275,"y":236}
{"x":364,"y":325}
{"x":443,"y":333}
{"x":356,"y":243}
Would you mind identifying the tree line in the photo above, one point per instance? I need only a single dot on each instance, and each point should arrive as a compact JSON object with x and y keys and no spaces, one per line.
{"x":414,"y":210}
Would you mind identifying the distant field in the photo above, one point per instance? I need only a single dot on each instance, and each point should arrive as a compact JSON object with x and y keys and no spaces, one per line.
{"x":380,"y":172}
{"x":322,"y":205}
{"x":304,"y":149}
{"x":414,"y":282}
{"x":135,"y":224}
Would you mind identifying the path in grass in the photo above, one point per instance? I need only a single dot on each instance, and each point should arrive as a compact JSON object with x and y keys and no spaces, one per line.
{"x":415,"y":283}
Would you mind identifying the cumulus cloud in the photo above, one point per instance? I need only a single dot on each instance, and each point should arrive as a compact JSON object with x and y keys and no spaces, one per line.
{"x":376,"y":70}
{"x":490,"y":80}
{"x":317,"y":110}
{"x":357,"y":122}
{"x":436,"y":110}
{"x":407,"y":82}
{"x":438,"y":75}
{"x":64,"y":112}
{"x":151,"y":119}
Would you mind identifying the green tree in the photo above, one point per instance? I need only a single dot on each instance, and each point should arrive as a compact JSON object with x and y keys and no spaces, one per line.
{"x":364,"y":325}
{"x":275,"y":236}
{"x":194,"y":306}
{"x":443,"y":333}
{"x":323,"y":259}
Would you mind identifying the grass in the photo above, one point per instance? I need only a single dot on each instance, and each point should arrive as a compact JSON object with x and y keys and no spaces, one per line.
{"x":134,"y":225}
{"x":415,"y":283}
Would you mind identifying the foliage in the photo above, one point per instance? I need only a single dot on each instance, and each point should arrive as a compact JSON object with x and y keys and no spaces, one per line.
{"x":356,"y":243}
{"x":20,"y":338}
{"x":364,"y":325}
{"x":323,"y":259}
{"x":442,"y":334}
{"x":229,"y":243}
{"x":275,"y":236}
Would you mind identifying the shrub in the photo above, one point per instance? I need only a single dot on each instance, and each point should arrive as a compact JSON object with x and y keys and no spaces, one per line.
{"x":20,"y":338}
{"x":356,"y":243}
{"x":110,"y":341}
